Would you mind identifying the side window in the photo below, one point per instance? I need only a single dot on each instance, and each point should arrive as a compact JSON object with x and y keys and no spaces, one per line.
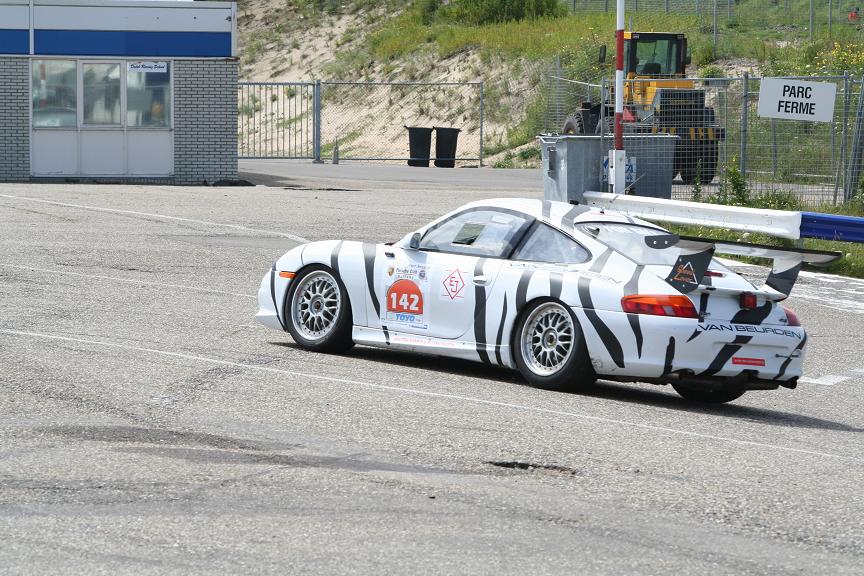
{"x":489,"y":233}
{"x":545,"y":244}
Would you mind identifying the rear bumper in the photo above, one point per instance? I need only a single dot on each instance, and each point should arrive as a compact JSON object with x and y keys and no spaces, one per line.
{"x":656,"y":347}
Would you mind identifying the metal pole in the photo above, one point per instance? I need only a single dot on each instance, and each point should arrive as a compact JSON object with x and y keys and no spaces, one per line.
{"x":844,"y":134}
{"x":855,"y":158}
{"x":316,"y":123}
{"x":715,"y":28}
{"x":830,"y":12}
{"x":666,"y":5}
{"x":482,"y":88}
{"x":617,"y":158}
{"x":774,"y":147}
{"x":811,"y":20}
{"x":742,"y":161}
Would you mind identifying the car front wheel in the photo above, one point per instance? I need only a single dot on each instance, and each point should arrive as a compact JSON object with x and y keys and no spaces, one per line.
{"x":319,"y":312}
{"x":549,"y":348}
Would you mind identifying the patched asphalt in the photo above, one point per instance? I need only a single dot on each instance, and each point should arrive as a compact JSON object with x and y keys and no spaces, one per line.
{"x":148,"y":425}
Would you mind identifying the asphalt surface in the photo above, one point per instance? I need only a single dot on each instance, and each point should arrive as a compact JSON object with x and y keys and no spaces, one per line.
{"x":149,"y":426}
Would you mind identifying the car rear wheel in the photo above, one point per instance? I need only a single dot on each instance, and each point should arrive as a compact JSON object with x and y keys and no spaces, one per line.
{"x":707,"y":396}
{"x":319,"y":312}
{"x":549,"y":348}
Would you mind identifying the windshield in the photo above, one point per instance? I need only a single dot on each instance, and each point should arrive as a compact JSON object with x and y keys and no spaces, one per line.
{"x":629,"y":240}
{"x":657,"y":57}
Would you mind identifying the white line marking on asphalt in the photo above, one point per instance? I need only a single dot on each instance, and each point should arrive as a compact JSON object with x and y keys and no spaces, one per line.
{"x":827,"y":380}
{"x":162,"y":216}
{"x":429,"y":394}
{"x":858,"y":370}
{"x":61,"y":272}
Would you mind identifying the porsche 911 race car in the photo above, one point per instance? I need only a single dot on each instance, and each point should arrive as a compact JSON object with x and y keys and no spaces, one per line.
{"x":563,"y":293}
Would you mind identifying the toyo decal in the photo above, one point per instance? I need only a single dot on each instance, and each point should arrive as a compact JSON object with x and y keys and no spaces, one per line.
{"x":453,"y":285}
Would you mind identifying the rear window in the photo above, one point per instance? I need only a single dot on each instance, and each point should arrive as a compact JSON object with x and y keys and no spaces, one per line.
{"x":629,"y":240}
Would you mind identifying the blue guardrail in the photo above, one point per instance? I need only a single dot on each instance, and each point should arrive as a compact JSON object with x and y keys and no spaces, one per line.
{"x":832,"y":227}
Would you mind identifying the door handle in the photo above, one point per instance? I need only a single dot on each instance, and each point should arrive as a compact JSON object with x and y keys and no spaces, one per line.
{"x":481,"y":280}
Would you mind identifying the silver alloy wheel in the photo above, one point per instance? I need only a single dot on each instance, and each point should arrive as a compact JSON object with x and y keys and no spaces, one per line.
{"x":316,"y":305}
{"x":547,"y":339}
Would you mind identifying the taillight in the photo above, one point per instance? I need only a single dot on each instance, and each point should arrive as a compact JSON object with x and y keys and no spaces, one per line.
{"x":659,"y":305}
{"x":791,"y":317}
{"x":748,"y":301}
{"x":714,"y":274}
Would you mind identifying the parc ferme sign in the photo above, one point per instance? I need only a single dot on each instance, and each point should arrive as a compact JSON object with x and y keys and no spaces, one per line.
{"x":797,"y":100}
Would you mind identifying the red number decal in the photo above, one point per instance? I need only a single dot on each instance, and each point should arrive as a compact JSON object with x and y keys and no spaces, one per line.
{"x":405,"y":296}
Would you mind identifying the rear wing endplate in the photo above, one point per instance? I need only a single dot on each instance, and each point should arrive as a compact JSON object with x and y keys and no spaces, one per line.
{"x":696,"y":253}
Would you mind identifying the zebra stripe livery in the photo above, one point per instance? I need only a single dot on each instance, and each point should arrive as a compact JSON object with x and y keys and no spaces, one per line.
{"x":465,"y":295}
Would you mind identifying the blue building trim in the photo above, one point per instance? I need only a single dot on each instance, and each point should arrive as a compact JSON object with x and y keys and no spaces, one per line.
{"x":120,"y":43}
{"x":14,"y":41}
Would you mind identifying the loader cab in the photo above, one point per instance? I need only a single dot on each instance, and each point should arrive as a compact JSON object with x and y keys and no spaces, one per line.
{"x":655,"y":55}
{"x":653,"y":61}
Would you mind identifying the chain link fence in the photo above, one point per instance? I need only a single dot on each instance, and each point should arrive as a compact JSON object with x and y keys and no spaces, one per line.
{"x":723,"y":146}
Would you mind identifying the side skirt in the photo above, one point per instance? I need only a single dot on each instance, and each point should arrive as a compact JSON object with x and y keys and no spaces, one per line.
{"x":427,"y":345}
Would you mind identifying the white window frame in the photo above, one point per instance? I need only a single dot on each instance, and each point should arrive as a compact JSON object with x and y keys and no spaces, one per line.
{"x":79,"y":91}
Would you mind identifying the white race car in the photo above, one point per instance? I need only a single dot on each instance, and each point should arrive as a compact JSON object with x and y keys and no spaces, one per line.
{"x":563,"y":293}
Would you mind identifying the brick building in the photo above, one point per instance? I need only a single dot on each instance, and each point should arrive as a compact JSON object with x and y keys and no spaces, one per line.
{"x":118,"y":89}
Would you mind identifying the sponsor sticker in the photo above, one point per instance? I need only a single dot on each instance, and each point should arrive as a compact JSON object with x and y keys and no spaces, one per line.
{"x":754,"y":329}
{"x":405,"y":297}
{"x":685,"y":273}
{"x":453,"y":285}
{"x":741,"y":361}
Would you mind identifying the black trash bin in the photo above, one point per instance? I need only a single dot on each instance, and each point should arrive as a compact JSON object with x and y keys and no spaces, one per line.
{"x":445,"y":146}
{"x":419,"y":144}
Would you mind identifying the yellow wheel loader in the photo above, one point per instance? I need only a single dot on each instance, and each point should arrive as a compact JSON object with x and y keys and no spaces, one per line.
{"x":658,"y":98}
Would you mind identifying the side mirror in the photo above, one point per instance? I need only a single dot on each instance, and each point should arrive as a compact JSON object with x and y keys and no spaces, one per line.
{"x":414,"y":243}
{"x":602,"y":56}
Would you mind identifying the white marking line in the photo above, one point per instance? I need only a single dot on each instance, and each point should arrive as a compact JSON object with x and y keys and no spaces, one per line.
{"x":858,"y":371}
{"x":431,"y":394}
{"x":61,"y":272}
{"x":162,"y":216}
{"x":827,"y":380}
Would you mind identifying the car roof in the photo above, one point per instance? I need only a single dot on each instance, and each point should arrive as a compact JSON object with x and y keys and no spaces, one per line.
{"x":560,"y":215}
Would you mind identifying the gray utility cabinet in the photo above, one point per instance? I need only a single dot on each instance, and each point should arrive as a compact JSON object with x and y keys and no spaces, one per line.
{"x":573,"y":165}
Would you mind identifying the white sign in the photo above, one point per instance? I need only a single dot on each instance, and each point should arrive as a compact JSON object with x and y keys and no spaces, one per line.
{"x":629,"y":171}
{"x":145,"y":67}
{"x":797,"y":100}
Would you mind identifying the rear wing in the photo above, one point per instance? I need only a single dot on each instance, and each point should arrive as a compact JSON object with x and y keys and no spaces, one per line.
{"x":689,"y":270}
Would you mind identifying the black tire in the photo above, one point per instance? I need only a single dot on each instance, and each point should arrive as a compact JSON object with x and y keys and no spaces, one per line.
{"x":573,"y":372}
{"x":707,"y":396}
{"x":574,"y":126}
{"x":335,"y":334}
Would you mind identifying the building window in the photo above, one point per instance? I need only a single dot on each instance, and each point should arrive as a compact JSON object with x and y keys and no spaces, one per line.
{"x":55,"y":94}
{"x":148,"y":95}
{"x":101,"y":84}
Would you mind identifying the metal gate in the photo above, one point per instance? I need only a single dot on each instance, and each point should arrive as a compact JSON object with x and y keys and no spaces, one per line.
{"x":276,"y":119}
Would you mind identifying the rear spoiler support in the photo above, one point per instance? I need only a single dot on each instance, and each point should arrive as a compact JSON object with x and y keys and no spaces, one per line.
{"x":696,"y":254}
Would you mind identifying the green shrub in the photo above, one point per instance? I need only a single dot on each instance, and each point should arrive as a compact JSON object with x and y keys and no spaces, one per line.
{"x":479,"y":12}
